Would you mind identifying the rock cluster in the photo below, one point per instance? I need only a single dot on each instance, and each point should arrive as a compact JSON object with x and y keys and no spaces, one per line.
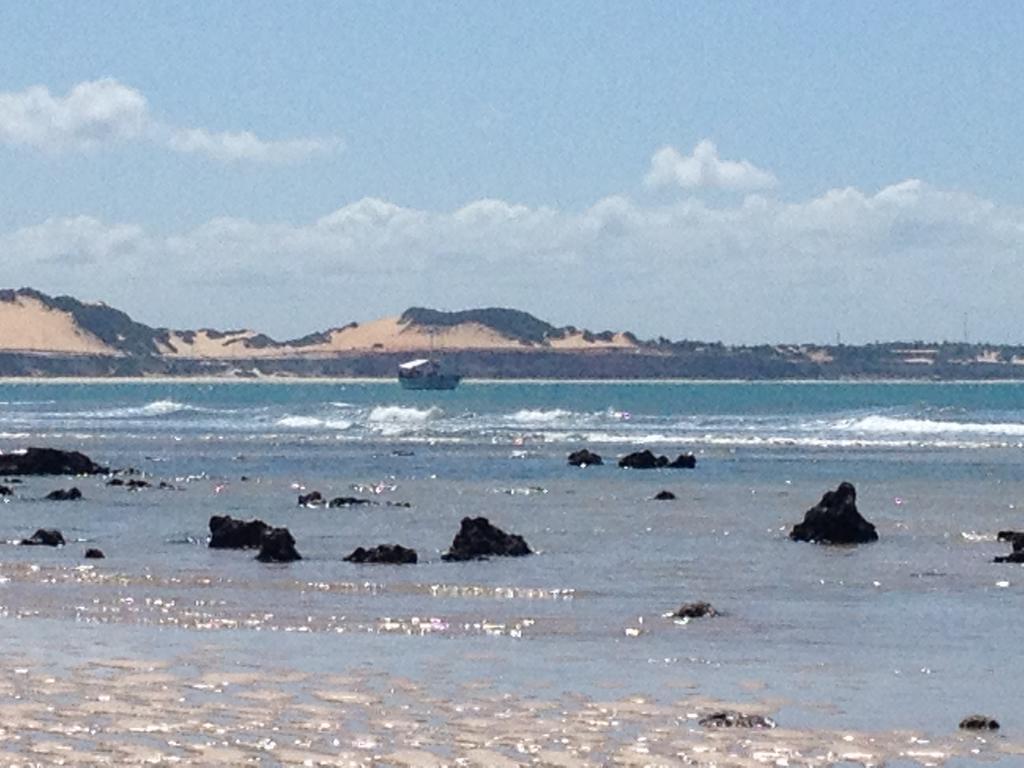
{"x":733,"y":719}
{"x":647,"y":460}
{"x":48,"y":461}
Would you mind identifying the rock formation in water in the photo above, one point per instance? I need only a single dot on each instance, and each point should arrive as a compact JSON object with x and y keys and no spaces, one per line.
{"x":1016,"y":538}
{"x":585,"y":458}
{"x":698,"y":610}
{"x":647,"y":460}
{"x":228,"y":533}
{"x":44,"y":537}
{"x":477,"y":538}
{"x":979,"y":723}
{"x":48,"y":461}
{"x":278,"y":546}
{"x":394,"y":554}
{"x":733,"y":719}
{"x":835,"y":520}
{"x":70,"y":494}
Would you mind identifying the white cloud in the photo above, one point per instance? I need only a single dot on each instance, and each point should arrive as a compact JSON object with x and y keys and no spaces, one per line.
{"x":704,"y":169}
{"x":91,"y":114}
{"x":104,"y":112}
{"x":903,"y":262}
{"x":246,"y":146}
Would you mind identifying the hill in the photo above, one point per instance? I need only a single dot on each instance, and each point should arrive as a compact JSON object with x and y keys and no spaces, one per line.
{"x":41,"y":335}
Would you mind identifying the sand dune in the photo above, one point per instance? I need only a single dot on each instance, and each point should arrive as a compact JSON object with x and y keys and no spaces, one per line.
{"x":33,"y":322}
{"x":28,"y":325}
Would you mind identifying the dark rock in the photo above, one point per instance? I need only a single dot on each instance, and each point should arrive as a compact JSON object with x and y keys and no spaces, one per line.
{"x":49,"y":461}
{"x":228,"y":533}
{"x":385,"y":553}
{"x":45,"y":537}
{"x":647,"y":460}
{"x":136,"y":485}
{"x":347,"y":501}
{"x":477,"y":538}
{"x":979,"y":723}
{"x":664,"y":496}
{"x":695,"y":611}
{"x":115,"y":481}
{"x":584,"y":458}
{"x":642,"y":460}
{"x":683,"y":461}
{"x":165,"y":486}
{"x":5,"y":491}
{"x":1016,"y":538}
{"x":401,"y":504}
{"x":12,"y":481}
{"x":94,"y":554}
{"x":310,"y":499}
{"x":1017,"y":556}
{"x":835,"y":520}
{"x":71,"y":494}
{"x":278,"y":546}
{"x":731,"y":719}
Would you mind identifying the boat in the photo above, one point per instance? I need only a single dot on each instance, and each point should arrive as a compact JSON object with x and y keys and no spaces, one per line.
{"x":426,"y":374}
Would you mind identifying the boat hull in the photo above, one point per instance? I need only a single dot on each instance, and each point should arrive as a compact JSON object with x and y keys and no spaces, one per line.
{"x":440,"y":381}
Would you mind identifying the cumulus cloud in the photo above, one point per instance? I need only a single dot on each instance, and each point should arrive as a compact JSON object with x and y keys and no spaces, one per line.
{"x":92,"y":113}
{"x":902,"y":262}
{"x":704,"y":169}
{"x":103,"y":112}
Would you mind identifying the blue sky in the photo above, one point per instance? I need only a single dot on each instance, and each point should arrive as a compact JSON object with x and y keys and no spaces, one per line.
{"x":224,"y":136}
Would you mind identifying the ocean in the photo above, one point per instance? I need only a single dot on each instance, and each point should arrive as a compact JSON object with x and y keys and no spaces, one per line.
{"x":167,"y":652}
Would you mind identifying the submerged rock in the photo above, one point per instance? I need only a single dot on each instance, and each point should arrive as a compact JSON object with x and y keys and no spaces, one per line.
{"x":664,"y":496}
{"x":477,"y":538}
{"x":278,"y":546}
{"x":131,"y":484}
{"x":732,"y":719}
{"x":348,"y":501}
{"x":835,"y":520}
{"x":584,"y":458}
{"x":698,"y":610}
{"x":45,"y":537}
{"x":5,"y":491}
{"x":384,"y":553}
{"x":71,"y":494}
{"x":94,"y":554}
{"x":228,"y":533}
{"x":312,"y":499}
{"x":48,"y":461}
{"x":979,"y":723}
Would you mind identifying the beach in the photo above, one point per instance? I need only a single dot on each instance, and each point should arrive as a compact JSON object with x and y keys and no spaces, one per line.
{"x":169,"y":652}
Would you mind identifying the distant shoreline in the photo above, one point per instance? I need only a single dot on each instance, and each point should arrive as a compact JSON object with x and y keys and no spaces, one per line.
{"x":283,"y":380}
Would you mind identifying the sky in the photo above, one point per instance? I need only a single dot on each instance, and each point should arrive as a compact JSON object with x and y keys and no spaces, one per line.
{"x":744,"y":172}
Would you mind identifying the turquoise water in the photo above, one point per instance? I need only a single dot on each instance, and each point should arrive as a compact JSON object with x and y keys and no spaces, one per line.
{"x":912,"y":632}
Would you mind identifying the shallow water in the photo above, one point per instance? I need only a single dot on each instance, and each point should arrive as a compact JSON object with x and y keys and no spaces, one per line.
{"x":889,"y":644}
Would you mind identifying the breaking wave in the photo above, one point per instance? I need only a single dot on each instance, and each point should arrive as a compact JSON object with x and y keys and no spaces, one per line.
{"x":312,"y":422}
{"x":889,"y":425}
{"x":398,"y":414}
